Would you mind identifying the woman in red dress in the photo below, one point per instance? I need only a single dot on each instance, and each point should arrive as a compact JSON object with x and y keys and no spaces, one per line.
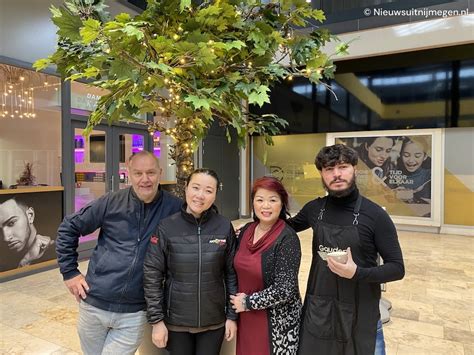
{"x":267,"y":264}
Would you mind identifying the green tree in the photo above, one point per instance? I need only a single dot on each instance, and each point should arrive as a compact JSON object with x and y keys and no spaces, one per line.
{"x":190,"y":63}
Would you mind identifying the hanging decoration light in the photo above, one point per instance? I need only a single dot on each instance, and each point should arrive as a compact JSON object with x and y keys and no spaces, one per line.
{"x":18,"y":88}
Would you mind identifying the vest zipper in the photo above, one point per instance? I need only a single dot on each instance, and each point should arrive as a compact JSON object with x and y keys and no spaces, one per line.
{"x":169,"y":298}
{"x":199,"y":276}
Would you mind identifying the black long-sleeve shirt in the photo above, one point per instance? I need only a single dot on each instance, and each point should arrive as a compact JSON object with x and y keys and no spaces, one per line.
{"x":376,"y":231}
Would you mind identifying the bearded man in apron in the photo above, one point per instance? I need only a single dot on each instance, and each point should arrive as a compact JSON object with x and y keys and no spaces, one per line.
{"x":341,"y":308}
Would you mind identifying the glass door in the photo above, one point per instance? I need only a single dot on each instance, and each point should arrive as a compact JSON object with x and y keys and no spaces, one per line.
{"x":126,"y":141}
{"x":92,"y":159}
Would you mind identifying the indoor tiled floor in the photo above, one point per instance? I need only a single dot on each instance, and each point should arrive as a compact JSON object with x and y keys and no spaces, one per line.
{"x":433,"y":307}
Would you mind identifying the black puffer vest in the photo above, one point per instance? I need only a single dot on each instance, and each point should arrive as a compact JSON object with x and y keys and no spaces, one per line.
{"x":194,"y":258}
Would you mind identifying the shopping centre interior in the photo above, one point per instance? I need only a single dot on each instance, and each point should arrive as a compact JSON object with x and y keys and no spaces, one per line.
{"x":405,"y":77}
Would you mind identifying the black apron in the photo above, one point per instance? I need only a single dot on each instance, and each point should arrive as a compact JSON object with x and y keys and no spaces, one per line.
{"x":339,"y":315}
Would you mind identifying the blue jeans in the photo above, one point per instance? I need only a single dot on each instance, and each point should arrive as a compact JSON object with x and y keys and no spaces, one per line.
{"x":103,"y":332}
{"x":379,"y":340}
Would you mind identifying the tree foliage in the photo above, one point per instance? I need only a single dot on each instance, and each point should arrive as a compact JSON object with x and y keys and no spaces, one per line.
{"x":190,"y":63}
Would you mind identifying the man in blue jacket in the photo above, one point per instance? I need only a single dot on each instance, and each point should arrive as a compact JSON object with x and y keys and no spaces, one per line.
{"x":111,"y":299}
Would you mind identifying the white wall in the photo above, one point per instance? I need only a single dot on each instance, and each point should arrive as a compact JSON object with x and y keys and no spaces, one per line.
{"x":37,"y":141}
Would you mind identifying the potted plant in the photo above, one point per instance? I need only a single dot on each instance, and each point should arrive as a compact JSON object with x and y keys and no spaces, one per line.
{"x":26,"y":177}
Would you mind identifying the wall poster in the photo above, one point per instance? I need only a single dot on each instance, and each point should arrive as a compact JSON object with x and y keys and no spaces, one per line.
{"x":396,"y":170}
{"x":28,"y":227}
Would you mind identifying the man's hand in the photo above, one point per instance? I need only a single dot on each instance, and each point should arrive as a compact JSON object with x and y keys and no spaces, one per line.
{"x":159,"y":335}
{"x":230,"y":329}
{"x":346,"y":270}
{"x":237,"y":302}
{"x":78,"y":287}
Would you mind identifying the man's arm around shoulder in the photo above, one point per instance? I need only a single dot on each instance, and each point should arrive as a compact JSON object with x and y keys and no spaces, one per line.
{"x":301,"y":221}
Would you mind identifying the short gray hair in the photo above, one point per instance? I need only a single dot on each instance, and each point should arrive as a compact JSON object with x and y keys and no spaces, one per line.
{"x":144,"y":153}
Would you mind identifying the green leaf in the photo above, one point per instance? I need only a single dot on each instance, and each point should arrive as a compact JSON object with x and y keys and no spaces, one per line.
{"x":55,"y":11}
{"x":197,"y":102}
{"x":75,"y":76}
{"x":342,"y":49}
{"x":328,"y":72}
{"x":72,"y":7}
{"x":259,"y":96}
{"x":234,"y":77}
{"x":315,"y":76}
{"x":160,"y":66}
{"x":318,"y":15}
{"x":131,"y":30}
{"x":206,"y":56}
{"x":147,"y":106}
{"x":184,"y":112}
{"x":68,"y":25}
{"x":90,"y":31}
{"x":184,"y":4}
{"x":120,"y":70}
{"x":91,"y":72}
{"x":136,"y":100}
{"x":123,"y":17}
{"x":316,"y":62}
{"x":41,"y":64}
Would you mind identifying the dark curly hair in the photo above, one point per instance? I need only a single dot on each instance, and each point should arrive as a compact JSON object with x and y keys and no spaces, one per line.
{"x":335,"y":154}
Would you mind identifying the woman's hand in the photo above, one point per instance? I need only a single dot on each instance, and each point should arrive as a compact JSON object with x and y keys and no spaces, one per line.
{"x":230,"y":329}
{"x":346,"y":270}
{"x":238,"y":229}
{"x":159,"y":335}
{"x":238,"y":302}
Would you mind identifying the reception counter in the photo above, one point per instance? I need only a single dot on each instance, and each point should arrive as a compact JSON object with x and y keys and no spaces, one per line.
{"x":30,"y":189}
{"x":31,"y":215}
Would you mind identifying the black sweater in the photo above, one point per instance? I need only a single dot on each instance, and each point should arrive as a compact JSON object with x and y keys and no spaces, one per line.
{"x":376,"y":231}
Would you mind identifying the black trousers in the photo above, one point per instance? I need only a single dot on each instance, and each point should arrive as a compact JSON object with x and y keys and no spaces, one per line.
{"x":204,"y":343}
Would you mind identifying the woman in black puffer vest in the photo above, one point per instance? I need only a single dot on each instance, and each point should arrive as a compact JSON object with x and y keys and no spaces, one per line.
{"x":189,"y":274}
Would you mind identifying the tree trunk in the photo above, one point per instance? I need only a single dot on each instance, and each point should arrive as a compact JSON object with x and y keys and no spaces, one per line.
{"x":183,"y":156}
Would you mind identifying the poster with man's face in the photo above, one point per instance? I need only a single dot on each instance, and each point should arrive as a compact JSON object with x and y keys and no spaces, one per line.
{"x":28,"y":228}
{"x":395,"y":172}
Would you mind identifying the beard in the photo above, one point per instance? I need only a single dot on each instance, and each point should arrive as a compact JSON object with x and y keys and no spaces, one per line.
{"x":341,"y":193}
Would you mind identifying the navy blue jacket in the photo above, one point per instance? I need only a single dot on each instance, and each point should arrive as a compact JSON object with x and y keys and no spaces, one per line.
{"x":115,"y":272}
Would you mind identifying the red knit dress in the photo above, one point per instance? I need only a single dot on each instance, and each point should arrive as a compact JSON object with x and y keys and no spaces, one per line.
{"x":253,"y":329}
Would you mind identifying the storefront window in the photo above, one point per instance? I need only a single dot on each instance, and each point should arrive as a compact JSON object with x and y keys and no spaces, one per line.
{"x":30,"y":121}
{"x":459,"y":177}
{"x":290,"y":164}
